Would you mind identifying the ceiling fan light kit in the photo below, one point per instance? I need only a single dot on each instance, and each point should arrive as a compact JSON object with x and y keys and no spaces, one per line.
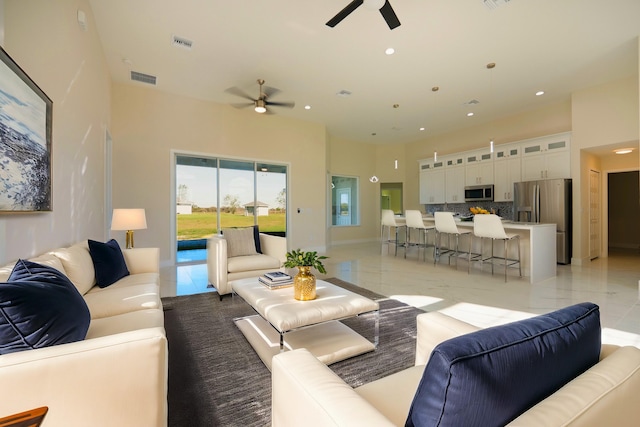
{"x":261,"y":104}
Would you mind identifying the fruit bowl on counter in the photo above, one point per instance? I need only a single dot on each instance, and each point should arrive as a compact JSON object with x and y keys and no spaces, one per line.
{"x":478,"y":210}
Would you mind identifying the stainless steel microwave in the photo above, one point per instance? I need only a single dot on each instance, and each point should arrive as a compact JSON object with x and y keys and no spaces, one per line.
{"x":478,"y":193}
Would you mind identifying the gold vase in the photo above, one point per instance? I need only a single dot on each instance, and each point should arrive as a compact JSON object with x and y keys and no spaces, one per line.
{"x":304,"y":284}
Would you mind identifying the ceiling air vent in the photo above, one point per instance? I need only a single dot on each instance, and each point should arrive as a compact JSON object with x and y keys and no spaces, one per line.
{"x":144,"y":78}
{"x":181,"y":42}
{"x":492,"y":4}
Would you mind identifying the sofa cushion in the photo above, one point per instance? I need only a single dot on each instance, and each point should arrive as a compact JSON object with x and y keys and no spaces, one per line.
{"x":251,"y":263}
{"x":46,"y":259}
{"x":126,"y":322}
{"x":108,"y":262}
{"x":40,"y":307}
{"x":78,"y":265}
{"x":130,"y":280}
{"x":240,"y":241}
{"x":491,"y":376}
{"x":114,"y":301}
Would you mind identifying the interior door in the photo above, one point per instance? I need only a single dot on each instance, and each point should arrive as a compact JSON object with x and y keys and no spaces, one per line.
{"x":594,"y":215}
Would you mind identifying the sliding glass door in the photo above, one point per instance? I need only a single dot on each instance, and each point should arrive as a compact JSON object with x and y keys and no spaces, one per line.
{"x":213,"y":193}
{"x":271,"y":198}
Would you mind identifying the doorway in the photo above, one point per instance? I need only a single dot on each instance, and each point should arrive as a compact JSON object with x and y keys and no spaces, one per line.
{"x":391,"y":197}
{"x":623,"y":190}
{"x":594,"y":214}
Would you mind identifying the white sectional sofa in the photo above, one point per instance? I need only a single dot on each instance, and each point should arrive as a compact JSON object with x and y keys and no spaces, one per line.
{"x":117,"y":376}
{"x":306,"y":391}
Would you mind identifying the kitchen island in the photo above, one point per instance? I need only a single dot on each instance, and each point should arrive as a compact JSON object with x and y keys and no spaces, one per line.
{"x":537,"y":246}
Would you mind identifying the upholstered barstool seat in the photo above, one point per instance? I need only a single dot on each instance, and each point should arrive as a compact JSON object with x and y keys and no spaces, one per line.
{"x":414,"y":222}
{"x":445,"y":224}
{"x":490,"y":227}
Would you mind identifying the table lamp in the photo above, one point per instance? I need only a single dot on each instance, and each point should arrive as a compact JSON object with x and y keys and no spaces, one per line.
{"x":129,"y":220}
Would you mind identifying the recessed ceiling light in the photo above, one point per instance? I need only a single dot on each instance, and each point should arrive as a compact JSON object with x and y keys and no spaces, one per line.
{"x":469,"y":114}
{"x":623,"y":150}
{"x":390,"y":51}
{"x":421,"y":128}
{"x":307,"y":107}
{"x":540,"y":93}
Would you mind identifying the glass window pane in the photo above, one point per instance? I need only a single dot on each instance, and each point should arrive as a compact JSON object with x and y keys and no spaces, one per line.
{"x":344,"y":201}
{"x":196,"y":205}
{"x":236,"y":193}
{"x":271,"y":195}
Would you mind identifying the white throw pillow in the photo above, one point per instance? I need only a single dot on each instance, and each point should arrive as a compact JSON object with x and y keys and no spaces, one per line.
{"x":240,"y":241}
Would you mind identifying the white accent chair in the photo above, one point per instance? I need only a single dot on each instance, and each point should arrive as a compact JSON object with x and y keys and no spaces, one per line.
{"x":445,"y":224}
{"x":490,"y":227}
{"x":222,"y":269}
{"x":388,"y":220}
{"x":414,"y":222}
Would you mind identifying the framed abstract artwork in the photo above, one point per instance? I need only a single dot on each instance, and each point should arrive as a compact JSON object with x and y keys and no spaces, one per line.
{"x":25,"y":141}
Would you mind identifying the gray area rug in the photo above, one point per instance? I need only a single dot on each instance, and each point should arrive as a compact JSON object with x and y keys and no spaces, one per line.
{"x":216,"y":379}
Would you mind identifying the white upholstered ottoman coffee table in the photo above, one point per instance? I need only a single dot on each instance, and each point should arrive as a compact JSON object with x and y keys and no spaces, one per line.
{"x":284,"y":323}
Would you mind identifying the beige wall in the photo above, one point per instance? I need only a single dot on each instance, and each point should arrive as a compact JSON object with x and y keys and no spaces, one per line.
{"x":356,"y":159}
{"x":604,"y":115}
{"x":43,"y":37}
{"x":148,"y":125}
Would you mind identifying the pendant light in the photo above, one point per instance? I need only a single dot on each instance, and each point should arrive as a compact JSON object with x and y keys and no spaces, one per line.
{"x":490,"y":67}
{"x":435,"y":90}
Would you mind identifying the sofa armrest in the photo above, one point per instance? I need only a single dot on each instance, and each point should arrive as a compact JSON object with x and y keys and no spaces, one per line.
{"x":604,"y":395}
{"x":88,"y":382}
{"x":274,"y":246}
{"x":217,"y":263}
{"x":142,"y":260}
{"x":434,"y":328}
{"x":305,"y":392}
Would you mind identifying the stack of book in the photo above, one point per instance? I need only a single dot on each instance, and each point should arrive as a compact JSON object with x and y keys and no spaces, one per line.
{"x":276,"y":279}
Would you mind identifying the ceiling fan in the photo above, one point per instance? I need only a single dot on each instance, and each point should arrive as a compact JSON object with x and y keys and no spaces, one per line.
{"x":383,"y":5}
{"x":259,"y":105}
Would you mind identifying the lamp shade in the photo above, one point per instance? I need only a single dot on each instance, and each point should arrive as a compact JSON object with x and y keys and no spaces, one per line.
{"x":128,"y":219}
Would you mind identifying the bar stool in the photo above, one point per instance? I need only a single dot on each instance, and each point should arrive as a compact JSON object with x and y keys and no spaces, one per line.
{"x":414,"y":222}
{"x":388,"y":220}
{"x":445,"y":224}
{"x":490,"y":227}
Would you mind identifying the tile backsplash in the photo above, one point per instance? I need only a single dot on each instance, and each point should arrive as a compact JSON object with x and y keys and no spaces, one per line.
{"x":503,"y":209}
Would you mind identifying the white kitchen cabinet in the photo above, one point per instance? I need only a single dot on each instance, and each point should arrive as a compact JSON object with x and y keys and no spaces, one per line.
{"x":546,"y":159}
{"x":507,"y":171}
{"x":454,"y":179}
{"x":479,"y":168}
{"x":432,"y":179}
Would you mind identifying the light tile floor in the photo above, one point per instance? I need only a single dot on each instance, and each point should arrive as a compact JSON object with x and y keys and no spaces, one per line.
{"x":479,"y":298}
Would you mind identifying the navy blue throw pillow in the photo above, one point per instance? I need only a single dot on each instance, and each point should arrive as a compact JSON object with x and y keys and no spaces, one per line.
{"x":108,"y":262}
{"x":40,"y":307}
{"x":256,"y":238}
{"x":490,"y":377}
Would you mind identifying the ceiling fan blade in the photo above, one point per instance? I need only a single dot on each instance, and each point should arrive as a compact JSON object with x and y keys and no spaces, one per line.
{"x":269,"y":91}
{"x":344,"y":13}
{"x":238,"y":92}
{"x":286,"y":104}
{"x":389,"y":15}
{"x":242,"y":104}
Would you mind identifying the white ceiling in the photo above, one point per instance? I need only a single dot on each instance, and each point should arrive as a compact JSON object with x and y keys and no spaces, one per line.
{"x":557,"y":46}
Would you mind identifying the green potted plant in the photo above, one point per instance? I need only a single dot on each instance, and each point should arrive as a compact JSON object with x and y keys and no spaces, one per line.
{"x":304,"y":283}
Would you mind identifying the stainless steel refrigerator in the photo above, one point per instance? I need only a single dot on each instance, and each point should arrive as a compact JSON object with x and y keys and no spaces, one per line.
{"x":548,"y":202}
